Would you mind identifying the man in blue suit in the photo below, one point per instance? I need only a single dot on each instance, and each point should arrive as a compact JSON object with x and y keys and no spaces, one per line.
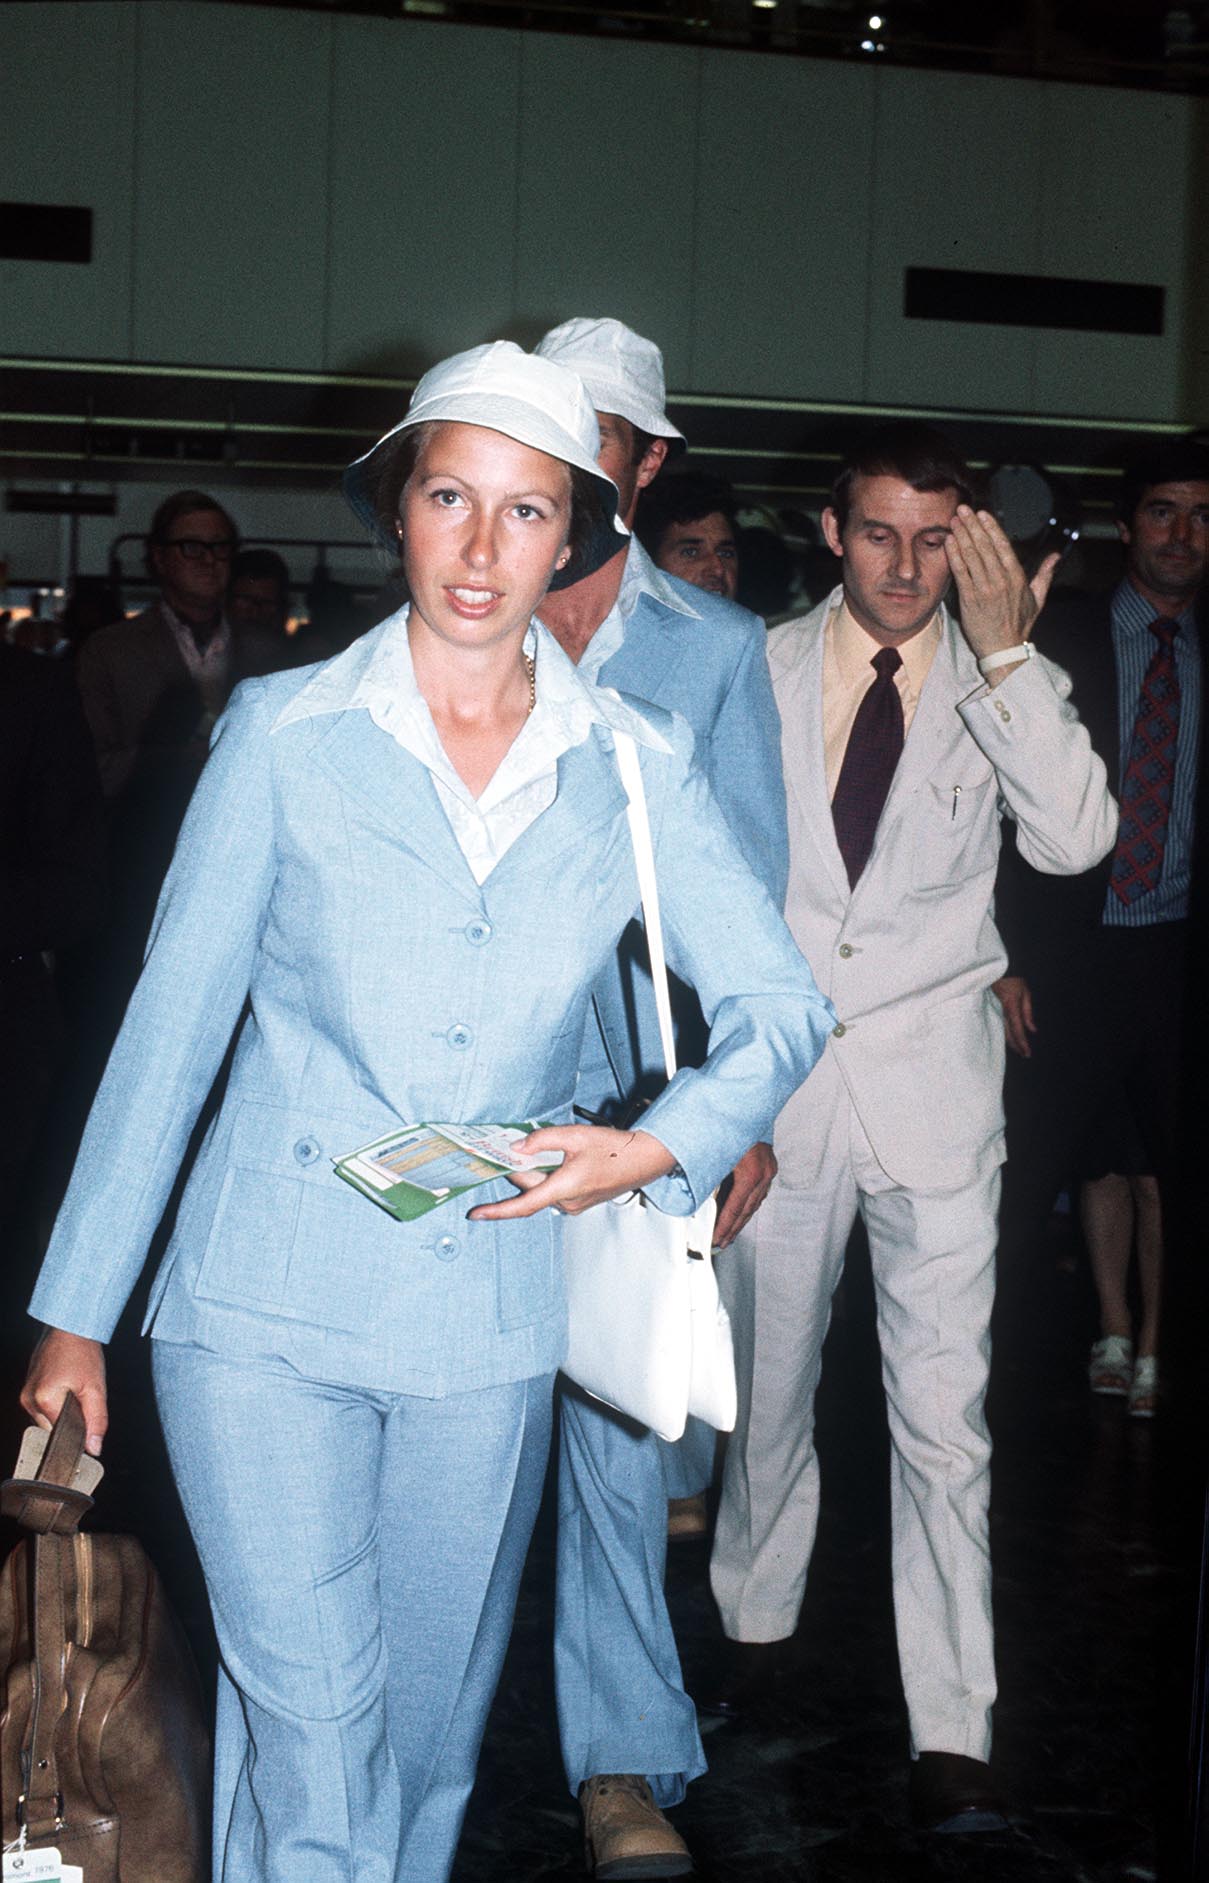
{"x":628,"y":1729}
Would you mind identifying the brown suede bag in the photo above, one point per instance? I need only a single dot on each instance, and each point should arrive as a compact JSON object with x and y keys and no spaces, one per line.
{"x":104,"y":1752}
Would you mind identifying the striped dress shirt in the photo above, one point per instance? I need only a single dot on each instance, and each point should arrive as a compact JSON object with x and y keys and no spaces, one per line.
{"x":1133,"y":646}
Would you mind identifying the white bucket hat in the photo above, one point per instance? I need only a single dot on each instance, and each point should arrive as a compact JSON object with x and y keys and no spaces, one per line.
{"x":536,"y":401}
{"x":622,"y":371}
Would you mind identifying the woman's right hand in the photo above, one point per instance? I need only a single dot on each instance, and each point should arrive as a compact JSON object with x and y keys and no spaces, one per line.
{"x":65,"y":1363}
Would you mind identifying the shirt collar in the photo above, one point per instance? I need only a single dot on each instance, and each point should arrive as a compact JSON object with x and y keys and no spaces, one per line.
{"x":642,"y":577}
{"x":376,"y":675}
{"x":179,"y":628}
{"x":855,"y":648}
{"x":639,"y":577}
{"x":1134,"y":614}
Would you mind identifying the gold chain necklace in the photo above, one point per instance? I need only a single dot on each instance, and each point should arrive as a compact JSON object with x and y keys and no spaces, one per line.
{"x":531,"y":670}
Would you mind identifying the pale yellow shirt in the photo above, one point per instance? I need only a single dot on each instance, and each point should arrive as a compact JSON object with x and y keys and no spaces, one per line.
{"x":848,"y":674}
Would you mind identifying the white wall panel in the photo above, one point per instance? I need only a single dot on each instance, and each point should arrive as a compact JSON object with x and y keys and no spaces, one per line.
{"x":424,"y":187}
{"x":231,"y":228}
{"x":784,"y":194}
{"x":293,"y":189}
{"x":68,"y":75}
{"x":605,"y":188}
{"x":1115,"y":207}
{"x":958,"y":185}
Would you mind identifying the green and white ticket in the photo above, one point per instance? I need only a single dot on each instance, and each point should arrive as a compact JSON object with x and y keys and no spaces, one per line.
{"x":418,"y":1167}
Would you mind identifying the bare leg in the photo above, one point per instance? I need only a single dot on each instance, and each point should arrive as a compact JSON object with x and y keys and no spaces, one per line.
{"x":1106,"y":1211}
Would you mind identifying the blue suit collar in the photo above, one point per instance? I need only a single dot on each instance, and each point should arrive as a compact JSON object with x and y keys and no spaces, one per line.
{"x":397,"y":791}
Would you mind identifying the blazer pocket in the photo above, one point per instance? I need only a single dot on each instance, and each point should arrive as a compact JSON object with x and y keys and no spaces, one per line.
{"x":951,"y":832}
{"x":282,"y":1247}
{"x":247,"y":1255}
{"x":528,"y":1279}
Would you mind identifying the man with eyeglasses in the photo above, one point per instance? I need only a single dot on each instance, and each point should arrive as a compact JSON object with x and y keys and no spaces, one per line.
{"x":153,"y":686}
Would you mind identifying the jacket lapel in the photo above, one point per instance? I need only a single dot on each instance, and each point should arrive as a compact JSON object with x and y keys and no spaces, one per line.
{"x":590,"y":793}
{"x":397,"y":792}
{"x":163,"y":656}
{"x":800,"y":702}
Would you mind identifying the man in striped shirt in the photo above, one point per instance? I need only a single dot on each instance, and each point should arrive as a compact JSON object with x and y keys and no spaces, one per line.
{"x":1095,"y":999}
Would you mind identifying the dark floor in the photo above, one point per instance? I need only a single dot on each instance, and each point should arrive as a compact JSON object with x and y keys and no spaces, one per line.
{"x":1096,"y":1538}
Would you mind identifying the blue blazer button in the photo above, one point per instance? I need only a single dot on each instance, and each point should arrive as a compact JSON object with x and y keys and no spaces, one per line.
{"x":306,"y":1150}
{"x":446,"y":1248}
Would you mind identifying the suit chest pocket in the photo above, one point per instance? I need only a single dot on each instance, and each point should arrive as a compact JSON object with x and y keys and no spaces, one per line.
{"x":955,"y":836}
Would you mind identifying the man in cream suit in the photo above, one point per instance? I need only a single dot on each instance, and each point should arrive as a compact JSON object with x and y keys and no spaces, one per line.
{"x":904,"y":734}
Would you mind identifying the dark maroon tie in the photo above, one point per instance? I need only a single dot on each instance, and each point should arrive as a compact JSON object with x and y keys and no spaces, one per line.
{"x":874,"y":748}
{"x":1149,"y":780}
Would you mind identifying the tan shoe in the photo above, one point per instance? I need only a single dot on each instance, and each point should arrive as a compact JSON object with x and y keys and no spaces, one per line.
{"x":625,"y":1832}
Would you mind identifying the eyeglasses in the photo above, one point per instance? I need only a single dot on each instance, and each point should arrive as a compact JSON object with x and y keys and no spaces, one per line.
{"x":195,"y":549}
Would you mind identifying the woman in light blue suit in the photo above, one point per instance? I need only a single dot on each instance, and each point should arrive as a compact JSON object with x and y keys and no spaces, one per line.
{"x":400,"y":876}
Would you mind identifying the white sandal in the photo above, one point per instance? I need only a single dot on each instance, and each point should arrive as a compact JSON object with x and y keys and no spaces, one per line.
{"x":1144,"y":1387}
{"x":1110,"y":1370}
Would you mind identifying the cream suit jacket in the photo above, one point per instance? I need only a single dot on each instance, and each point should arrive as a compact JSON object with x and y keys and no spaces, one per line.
{"x":909,"y":955}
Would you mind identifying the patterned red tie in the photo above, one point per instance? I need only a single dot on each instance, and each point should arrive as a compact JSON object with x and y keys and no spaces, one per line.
{"x":1149,"y":779}
{"x":875,"y":746}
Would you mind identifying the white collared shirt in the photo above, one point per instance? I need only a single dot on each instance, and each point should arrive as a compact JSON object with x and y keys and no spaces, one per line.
{"x":640,"y":576}
{"x":208,"y":667}
{"x":382,"y":682}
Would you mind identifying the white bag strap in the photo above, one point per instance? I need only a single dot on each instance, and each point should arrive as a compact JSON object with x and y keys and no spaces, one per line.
{"x":630,"y":767}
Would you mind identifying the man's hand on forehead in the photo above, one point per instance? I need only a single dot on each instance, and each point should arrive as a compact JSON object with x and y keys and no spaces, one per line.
{"x":998,"y":603}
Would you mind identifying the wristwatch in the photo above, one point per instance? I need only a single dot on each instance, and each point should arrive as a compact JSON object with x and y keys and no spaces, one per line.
{"x":1007,"y":657}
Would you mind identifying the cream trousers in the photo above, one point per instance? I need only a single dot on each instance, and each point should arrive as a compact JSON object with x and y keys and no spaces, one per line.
{"x":933,"y":1269}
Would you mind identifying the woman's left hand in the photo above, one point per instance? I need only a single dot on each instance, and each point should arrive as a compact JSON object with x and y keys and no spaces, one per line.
{"x":598,"y":1163}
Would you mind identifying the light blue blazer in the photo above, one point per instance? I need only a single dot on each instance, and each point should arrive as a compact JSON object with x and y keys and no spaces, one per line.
{"x":705,"y":658}
{"x":319,"y":903}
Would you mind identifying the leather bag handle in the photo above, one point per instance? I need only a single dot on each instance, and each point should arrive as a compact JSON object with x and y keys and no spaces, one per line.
{"x":47,"y":1503}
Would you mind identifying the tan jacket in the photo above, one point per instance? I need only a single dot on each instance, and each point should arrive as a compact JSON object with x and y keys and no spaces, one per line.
{"x":909,"y":955}
{"x":139,"y":698}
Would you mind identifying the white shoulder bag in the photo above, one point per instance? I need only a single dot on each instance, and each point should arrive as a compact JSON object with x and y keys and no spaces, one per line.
{"x":648,"y":1332}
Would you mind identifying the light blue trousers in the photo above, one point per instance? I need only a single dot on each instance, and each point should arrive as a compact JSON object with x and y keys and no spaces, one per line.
{"x":688,"y":1464}
{"x":362,"y":1553}
{"x":621,"y":1700}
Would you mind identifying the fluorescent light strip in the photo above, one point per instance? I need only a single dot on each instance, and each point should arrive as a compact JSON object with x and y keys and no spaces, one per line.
{"x":716,"y":401}
{"x":241,"y":374}
{"x":210,"y":425}
{"x":181,"y":424}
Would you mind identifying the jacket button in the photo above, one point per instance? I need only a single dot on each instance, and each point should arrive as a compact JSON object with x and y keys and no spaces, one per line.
{"x":846,"y":951}
{"x":446,"y":1248}
{"x":838,"y":1030}
{"x":459,"y":1036}
{"x":478,"y":932}
{"x":306,"y":1150}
